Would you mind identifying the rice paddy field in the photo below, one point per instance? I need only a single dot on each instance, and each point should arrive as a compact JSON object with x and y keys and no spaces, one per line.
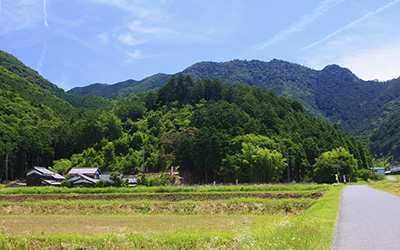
{"x":203,"y":217}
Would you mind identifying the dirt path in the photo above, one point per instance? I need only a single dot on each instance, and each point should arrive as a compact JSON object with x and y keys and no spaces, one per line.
{"x":368,"y":219}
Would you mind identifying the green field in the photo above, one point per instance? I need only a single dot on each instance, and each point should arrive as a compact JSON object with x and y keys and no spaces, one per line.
{"x":392,"y":187}
{"x":225,"y":217}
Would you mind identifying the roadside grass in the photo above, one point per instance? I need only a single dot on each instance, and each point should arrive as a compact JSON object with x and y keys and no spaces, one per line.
{"x":392,"y":187}
{"x":311,"y":229}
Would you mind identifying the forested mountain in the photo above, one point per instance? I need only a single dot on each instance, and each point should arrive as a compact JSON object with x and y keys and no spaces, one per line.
{"x":206,"y":129}
{"x":333,"y":94}
{"x":214,"y":131}
{"x":385,"y":141}
{"x":121,"y":90}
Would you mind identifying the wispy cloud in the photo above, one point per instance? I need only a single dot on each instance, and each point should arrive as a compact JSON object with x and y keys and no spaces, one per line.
{"x":128,"y":39}
{"x":138,"y":55}
{"x":352,"y":24}
{"x":41,"y":59}
{"x":103,"y":38}
{"x":19,"y":15}
{"x":133,"y":6}
{"x":45,"y":14}
{"x":300,"y":25}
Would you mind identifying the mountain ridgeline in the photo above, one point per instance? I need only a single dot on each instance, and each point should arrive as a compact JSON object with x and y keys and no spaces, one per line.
{"x":333,"y":94}
{"x":213,"y":131}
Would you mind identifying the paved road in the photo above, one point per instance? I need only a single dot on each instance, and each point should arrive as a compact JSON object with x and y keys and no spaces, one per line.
{"x":391,"y":178}
{"x":368,"y":219}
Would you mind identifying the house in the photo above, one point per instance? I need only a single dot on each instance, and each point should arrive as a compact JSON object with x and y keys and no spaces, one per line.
{"x":131,"y":181}
{"x":379,"y":170}
{"x":41,"y":176}
{"x":81,"y":180}
{"x":93,"y":173}
{"x":88,"y":177}
{"x":393,"y":170}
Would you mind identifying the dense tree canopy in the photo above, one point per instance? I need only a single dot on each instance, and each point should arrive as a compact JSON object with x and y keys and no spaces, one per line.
{"x":210,"y":131}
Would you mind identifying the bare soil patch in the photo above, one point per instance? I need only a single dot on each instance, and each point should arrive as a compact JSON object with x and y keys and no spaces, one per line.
{"x":162,"y":196}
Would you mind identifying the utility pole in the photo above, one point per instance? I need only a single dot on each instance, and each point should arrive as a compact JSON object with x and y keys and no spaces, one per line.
{"x":6,"y":169}
{"x":237,"y":174}
{"x":144,"y":169}
{"x":288,"y":170}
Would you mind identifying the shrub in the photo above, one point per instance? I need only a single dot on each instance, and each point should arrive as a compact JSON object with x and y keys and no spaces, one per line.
{"x":66,"y":183}
{"x":363,"y":174}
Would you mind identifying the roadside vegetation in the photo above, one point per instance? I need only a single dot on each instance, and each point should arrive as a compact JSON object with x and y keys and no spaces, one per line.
{"x":389,"y":186}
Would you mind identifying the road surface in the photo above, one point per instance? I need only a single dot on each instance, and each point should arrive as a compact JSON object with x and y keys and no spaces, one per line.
{"x":391,"y":178}
{"x":368,"y":219}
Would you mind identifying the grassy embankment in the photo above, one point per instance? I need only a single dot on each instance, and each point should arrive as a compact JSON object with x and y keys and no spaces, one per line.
{"x":392,"y":187}
{"x":246,"y":217}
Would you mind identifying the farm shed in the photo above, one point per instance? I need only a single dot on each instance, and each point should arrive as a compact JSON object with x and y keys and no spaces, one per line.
{"x":41,"y":176}
{"x":132,"y":181}
{"x":379,"y":170}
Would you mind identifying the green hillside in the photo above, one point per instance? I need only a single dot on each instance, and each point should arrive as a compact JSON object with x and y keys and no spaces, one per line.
{"x":123,"y":89}
{"x":333,"y":94}
{"x":385,"y":141}
{"x":38,"y":121}
{"x":12,"y":64}
{"x":214,"y":131}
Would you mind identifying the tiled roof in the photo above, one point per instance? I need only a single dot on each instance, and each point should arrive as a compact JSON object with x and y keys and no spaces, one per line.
{"x":46,"y":172}
{"x":84,"y":171}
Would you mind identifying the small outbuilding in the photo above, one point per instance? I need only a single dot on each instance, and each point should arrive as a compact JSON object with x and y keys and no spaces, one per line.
{"x":41,"y":176}
{"x":379,"y":170}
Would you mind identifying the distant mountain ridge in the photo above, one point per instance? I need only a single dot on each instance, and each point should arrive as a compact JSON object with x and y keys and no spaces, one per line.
{"x":365,"y":109}
{"x":123,"y":89}
{"x":333,"y":94}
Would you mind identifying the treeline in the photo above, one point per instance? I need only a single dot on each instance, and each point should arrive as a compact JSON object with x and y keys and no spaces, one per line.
{"x":211,"y":131}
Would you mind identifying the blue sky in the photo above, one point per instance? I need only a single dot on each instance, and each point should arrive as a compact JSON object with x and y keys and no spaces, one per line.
{"x":79,"y":42}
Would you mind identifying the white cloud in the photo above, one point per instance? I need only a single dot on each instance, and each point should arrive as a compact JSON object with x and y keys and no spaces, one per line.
{"x":368,"y":46}
{"x":299,"y":25}
{"x":63,"y":82}
{"x":128,"y":39}
{"x":379,"y":63}
{"x":103,"y":38}
{"x":352,"y":24}
{"x":19,"y":15}
{"x":40,"y":62}
{"x":137,"y":54}
{"x":133,"y":6}
{"x":45,"y":14}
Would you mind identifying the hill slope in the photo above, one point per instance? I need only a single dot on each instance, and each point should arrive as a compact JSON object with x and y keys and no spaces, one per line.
{"x":121,"y":90}
{"x":333,"y":94}
{"x":12,"y":64}
{"x":218,"y":131}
